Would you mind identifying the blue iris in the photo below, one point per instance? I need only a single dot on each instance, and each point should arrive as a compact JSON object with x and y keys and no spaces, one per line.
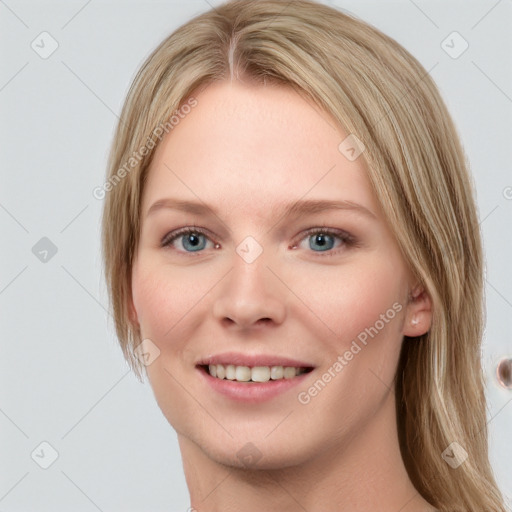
{"x":191,"y":241}
{"x":323,"y":241}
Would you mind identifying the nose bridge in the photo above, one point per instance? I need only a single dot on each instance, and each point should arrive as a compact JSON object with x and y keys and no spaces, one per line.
{"x":250,"y":292}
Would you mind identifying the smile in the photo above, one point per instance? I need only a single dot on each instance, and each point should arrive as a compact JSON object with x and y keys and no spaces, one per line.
{"x":252,"y":378}
{"x":255,"y":373}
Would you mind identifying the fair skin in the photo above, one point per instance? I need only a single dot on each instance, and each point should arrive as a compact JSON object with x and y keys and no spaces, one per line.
{"x":247,"y":151}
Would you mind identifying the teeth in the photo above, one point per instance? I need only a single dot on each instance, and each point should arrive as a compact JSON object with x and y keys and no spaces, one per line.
{"x":243,"y":373}
{"x":289,"y":372}
{"x":254,"y":374}
{"x":261,"y":374}
{"x":230,"y":371}
{"x":276,"y":372}
{"x":221,"y":372}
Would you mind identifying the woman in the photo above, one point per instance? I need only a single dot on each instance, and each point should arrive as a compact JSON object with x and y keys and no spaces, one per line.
{"x":293,"y":256}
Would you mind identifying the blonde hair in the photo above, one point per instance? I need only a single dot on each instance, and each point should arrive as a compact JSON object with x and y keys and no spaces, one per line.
{"x":376,"y":90}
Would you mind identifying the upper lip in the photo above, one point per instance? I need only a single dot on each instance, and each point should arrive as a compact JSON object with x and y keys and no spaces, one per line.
{"x":239,"y":359}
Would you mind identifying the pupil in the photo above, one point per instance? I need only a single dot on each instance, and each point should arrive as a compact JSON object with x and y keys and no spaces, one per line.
{"x":193,"y":242}
{"x":322,"y":241}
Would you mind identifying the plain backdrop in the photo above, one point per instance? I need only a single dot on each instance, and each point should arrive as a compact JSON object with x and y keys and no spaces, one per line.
{"x":67,"y":399}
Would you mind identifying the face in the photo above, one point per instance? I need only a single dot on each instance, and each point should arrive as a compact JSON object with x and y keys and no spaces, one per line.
{"x":311,"y":300}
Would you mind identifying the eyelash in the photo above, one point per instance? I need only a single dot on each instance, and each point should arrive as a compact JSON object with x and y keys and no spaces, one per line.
{"x":346,"y":238}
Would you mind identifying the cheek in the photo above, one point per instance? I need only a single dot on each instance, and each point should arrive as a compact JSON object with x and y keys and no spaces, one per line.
{"x":151,"y":299}
{"x":167,"y":300}
{"x":159,"y":301}
{"x":356,"y":302}
{"x":362,"y":306}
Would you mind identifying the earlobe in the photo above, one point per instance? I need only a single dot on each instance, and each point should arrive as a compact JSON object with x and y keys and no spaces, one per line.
{"x":418,"y":314}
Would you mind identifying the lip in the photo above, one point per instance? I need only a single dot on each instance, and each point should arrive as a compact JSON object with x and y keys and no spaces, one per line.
{"x":239,"y":359}
{"x":251,"y":392}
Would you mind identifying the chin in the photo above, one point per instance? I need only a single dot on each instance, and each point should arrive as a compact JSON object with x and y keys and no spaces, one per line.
{"x":257,"y":455}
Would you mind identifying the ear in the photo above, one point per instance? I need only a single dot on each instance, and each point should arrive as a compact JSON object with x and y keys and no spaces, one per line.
{"x":418,"y":316}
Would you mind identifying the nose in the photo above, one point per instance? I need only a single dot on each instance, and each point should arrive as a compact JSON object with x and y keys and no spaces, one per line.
{"x":250,"y":296}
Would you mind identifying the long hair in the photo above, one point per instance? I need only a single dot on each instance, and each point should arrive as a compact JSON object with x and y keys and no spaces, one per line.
{"x":380,"y":93}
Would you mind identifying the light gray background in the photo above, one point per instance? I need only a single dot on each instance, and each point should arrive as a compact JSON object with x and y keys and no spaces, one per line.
{"x":63,"y":377}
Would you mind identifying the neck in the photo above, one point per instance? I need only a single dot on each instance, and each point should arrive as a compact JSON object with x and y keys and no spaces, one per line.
{"x":365,"y":472}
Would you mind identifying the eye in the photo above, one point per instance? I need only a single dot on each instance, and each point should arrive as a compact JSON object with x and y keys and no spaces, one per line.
{"x":319,"y":240}
{"x":323,"y":240}
{"x":191,"y":239}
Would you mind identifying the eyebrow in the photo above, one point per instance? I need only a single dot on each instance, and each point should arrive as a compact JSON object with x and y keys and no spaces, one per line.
{"x":297,"y":208}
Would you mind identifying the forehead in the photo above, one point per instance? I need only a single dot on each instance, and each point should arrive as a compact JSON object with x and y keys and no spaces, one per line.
{"x":252,"y":146}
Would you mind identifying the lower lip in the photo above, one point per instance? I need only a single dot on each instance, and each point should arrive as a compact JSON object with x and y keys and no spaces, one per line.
{"x":251,"y":392}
